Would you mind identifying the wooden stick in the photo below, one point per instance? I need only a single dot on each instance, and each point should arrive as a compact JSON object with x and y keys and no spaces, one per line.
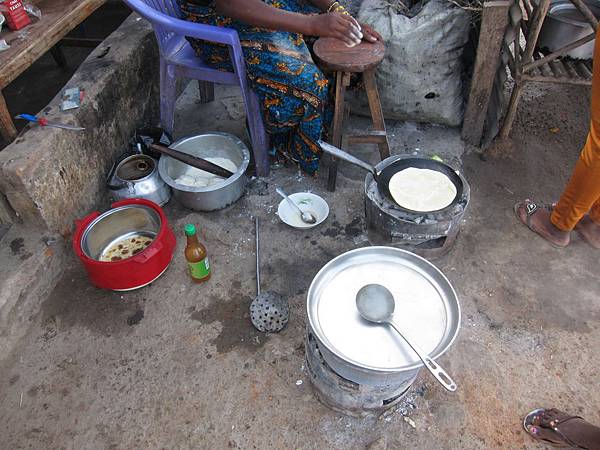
{"x":7,"y":127}
{"x":583,"y":9}
{"x":194,"y":161}
{"x":338,"y":124}
{"x":512,"y":110}
{"x":535,"y":27}
{"x":559,"y":52}
{"x":376,"y":112}
{"x":556,"y":80}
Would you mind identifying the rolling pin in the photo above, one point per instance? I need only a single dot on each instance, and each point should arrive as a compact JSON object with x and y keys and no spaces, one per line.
{"x":194,"y":161}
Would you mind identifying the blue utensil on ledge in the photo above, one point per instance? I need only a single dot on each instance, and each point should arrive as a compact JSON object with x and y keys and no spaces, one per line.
{"x":44,"y":123}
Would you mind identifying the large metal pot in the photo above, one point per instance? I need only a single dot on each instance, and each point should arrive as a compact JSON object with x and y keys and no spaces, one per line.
{"x":136,"y":176}
{"x":427,"y":310}
{"x":563,"y":25}
{"x":213,"y":197}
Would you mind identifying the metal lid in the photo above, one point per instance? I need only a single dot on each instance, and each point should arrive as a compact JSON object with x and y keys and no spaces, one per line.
{"x":135,"y":168}
{"x":568,"y":13}
{"x":427,"y":308}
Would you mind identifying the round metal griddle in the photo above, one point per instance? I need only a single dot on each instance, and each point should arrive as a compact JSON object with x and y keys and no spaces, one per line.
{"x":383,"y":178}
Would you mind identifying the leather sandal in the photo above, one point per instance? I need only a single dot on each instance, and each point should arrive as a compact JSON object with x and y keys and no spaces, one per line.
{"x":542,"y":424}
{"x":531,"y":208}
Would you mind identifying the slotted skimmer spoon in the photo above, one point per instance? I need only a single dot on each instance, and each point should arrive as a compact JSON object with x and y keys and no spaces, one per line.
{"x":269,"y":311}
{"x":376,"y":304}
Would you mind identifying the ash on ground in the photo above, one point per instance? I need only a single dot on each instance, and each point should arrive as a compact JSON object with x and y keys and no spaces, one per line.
{"x":407,"y":405}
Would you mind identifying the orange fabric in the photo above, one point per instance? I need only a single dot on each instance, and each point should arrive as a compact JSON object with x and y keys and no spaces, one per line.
{"x":582,"y":194}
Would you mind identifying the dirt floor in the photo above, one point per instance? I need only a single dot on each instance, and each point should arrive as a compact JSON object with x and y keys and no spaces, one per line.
{"x":176,"y":365}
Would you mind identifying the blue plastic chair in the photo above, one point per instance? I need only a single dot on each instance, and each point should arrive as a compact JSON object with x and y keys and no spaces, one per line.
{"x":178,"y":60}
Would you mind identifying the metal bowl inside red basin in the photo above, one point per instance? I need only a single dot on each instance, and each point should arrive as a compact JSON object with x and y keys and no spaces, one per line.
{"x":98,"y":234}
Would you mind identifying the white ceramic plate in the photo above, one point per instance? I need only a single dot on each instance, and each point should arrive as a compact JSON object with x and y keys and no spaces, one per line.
{"x":307,"y":202}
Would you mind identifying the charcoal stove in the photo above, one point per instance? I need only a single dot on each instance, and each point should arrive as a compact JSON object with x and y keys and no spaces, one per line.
{"x":345,"y":396}
{"x":430,"y":235}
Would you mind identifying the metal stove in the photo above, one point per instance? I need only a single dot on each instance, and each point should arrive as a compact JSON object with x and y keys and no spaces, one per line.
{"x":345,"y":396}
{"x":430,"y":235}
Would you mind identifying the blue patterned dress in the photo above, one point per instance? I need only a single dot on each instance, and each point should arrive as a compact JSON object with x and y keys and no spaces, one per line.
{"x":292,"y":90}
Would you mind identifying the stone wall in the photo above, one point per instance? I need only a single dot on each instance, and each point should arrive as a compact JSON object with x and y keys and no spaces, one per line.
{"x":50,"y":176}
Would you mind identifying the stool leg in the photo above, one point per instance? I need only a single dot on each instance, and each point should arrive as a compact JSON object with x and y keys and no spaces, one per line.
{"x":376,"y":112}
{"x":338,"y":125}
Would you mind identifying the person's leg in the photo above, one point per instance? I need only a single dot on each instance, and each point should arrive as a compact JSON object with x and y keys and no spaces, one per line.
{"x":583,"y":190}
{"x":291,"y":88}
{"x":588,"y":227}
{"x":214,"y":54}
{"x":293,"y":92}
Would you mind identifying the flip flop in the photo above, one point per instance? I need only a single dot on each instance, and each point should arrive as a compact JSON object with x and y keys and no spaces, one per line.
{"x":530,"y":209}
{"x":542,"y":425}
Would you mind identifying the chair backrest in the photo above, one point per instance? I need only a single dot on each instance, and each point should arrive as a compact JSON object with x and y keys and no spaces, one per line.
{"x":167,"y":7}
{"x":170,"y":29}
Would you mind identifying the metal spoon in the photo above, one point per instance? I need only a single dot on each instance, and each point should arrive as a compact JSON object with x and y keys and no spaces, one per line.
{"x":376,"y":304}
{"x":304,"y":215}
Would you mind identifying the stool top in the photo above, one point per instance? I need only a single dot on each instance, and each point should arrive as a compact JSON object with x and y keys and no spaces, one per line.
{"x":333,"y":54}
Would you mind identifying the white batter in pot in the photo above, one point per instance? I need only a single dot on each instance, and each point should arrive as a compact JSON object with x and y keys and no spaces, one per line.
{"x":193,"y":177}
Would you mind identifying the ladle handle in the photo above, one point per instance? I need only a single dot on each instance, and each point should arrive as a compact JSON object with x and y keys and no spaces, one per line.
{"x":341,"y":154}
{"x":440,"y":374}
{"x":257,"y":257}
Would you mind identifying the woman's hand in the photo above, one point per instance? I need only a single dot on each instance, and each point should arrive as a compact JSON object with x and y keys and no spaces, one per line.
{"x":340,"y":26}
{"x":370,"y":34}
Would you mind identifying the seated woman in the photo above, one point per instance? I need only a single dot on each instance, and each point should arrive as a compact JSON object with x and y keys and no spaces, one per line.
{"x":292,"y":90}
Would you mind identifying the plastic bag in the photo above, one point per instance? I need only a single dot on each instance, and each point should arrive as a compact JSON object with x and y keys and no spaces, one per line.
{"x":32,"y":10}
{"x":420,"y":78}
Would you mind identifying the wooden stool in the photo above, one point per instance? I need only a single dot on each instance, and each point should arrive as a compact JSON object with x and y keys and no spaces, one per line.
{"x":334,"y":56}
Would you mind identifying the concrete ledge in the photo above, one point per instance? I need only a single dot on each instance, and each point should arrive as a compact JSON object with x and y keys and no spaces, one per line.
{"x":30,"y":266}
{"x":51,"y":176}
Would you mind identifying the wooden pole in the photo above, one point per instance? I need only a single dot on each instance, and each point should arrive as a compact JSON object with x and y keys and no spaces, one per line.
{"x":491,"y":37}
{"x":535,"y":26}
{"x":558,"y":53}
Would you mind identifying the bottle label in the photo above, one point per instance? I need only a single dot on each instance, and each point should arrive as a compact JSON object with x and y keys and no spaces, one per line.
{"x":200,"y":269}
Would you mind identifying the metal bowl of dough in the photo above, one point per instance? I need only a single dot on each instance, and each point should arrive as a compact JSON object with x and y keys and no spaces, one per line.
{"x":209,"y":145}
{"x":427,"y":310}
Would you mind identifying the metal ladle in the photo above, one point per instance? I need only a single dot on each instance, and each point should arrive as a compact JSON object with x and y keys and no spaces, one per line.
{"x":304,"y":215}
{"x":269,"y":311}
{"x":376,"y":304}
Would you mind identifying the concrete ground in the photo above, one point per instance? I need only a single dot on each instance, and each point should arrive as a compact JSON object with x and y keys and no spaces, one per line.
{"x":177,"y":365}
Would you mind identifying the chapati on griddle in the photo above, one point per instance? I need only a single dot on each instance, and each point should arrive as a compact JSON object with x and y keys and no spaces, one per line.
{"x":422,"y":190}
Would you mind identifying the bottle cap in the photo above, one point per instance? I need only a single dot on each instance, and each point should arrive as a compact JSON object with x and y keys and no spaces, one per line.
{"x":190,"y":229}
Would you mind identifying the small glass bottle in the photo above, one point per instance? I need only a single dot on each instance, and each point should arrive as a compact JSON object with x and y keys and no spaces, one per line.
{"x":196,"y":256}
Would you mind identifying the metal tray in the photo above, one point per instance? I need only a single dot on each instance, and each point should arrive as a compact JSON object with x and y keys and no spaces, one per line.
{"x":427,"y":309}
